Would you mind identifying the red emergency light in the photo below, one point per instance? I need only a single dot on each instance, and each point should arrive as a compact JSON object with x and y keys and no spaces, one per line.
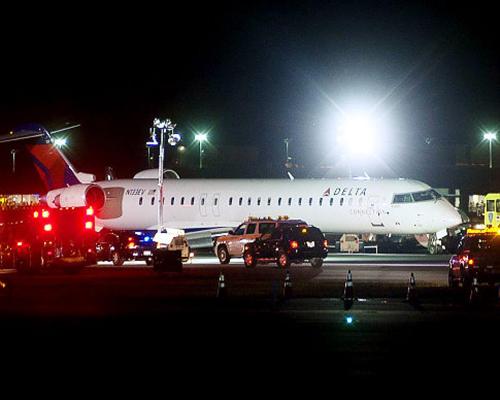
{"x":45,"y":214}
{"x":47,"y":227}
{"x":90,"y":211}
{"x":89,"y":225}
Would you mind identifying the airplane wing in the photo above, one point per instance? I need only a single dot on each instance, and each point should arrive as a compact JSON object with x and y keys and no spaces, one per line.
{"x":204,"y":238}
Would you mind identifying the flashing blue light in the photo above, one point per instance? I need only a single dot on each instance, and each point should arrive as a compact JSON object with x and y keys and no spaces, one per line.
{"x":147,"y":238}
{"x":349,"y":320}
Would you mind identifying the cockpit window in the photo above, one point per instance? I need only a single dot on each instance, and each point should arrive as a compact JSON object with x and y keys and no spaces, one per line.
{"x":435,"y":194}
{"x":422,"y":196}
{"x":425,"y":195}
{"x":402,"y":198}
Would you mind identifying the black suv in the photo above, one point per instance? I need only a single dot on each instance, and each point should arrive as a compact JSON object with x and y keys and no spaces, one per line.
{"x":478,"y":256}
{"x":288,"y":243}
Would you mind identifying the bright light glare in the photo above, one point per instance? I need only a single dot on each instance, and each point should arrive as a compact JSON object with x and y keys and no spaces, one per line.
{"x":200,"y":137}
{"x":348,"y":320}
{"x":357,"y":134}
{"x":490,"y":136}
{"x":60,"y":142}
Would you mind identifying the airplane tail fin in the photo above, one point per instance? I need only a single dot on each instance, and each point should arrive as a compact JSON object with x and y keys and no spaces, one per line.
{"x":52,"y":166}
{"x":55,"y":170}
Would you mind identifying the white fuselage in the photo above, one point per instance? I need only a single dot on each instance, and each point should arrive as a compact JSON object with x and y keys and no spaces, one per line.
{"x":333,"y":205}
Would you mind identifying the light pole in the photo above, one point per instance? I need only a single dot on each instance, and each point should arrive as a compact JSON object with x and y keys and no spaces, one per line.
{"x":490,"y":136}
{"x":165,"y":127}
{"x":201,"y":137}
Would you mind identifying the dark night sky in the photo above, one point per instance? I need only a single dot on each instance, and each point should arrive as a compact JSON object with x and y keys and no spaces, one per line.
{"x":254,"y":72}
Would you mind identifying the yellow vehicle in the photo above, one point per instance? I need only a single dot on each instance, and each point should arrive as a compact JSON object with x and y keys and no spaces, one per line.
{"x":492,"y":210}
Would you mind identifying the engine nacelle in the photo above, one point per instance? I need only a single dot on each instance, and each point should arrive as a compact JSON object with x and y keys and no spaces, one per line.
{"x":77,"y":196}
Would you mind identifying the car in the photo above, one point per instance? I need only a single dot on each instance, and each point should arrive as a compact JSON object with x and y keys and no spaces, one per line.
{"x":288,"y":243}
{"x":233,"y":244}
{"x":119,"y":248}
{"x":478,"y":256}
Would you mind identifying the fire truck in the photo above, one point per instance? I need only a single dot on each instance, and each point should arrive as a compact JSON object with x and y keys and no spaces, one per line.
{"x":38,"y":238}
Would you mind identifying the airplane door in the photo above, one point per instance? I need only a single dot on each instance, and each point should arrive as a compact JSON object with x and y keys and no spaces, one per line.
{"x":375,"y":211}
{"x":215,"y":205}
{"x":203,"y":205}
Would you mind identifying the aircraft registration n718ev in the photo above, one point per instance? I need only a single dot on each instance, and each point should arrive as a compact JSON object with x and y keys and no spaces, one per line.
{"x":207,"y":206}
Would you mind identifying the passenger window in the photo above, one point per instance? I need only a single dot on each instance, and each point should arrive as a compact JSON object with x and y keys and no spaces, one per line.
{"x":300,"y":201}
{"x":331,"y":201}
{"x":268,"y":201}
{"x":182,"y":201}
{"x":202,"y":201}
{"x":241,"y":201}
{"x":289,"y":201}
{"x":152,"y":201}
{"x":279,"y":201}
{"x":266,"y":227}
{"x":276,"y":234}
{"x":310,"y":201}
{"x":192,"y":201}
{"x":342,"y":201}
{"x":230,"y":201}
{"x":172,"y":201}
{"x":251,"y":228}
{"x":240,"y":230}
{"x":258,"y":201}
{"x":249,"y":201}
{"x":140,"y":201}
{"x":321,"y":201}
{"x":216,"y":201}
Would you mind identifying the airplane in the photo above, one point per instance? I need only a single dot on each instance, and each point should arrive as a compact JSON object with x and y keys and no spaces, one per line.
{"x":205,"y":207}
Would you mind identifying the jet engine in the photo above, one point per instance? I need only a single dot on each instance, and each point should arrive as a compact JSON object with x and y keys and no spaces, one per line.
{"x":81,"y":195}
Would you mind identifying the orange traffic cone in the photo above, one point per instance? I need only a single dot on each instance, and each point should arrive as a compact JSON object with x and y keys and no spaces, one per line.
{"x":287,"y":286}
{"x":474,"y":292}
{"x":411,"y":296}
{"x":348,"y":295}
{"x":5,"y":289}
{"x":221,"y":287}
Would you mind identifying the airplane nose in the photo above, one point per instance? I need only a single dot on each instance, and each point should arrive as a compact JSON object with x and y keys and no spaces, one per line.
{"x":452,"y":217}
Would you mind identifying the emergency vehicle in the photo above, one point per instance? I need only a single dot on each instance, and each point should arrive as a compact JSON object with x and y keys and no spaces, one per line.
{"x":492,"y":210}
{"x":478,"y":256}
{"x":37,"y":238}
